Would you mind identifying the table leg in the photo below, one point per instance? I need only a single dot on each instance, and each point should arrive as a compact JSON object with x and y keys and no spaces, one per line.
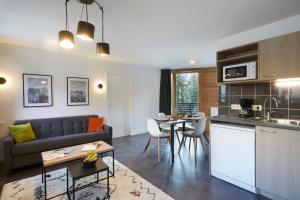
{"x":73,"y":189}
{"x":183,"y":126}
{"x":107,"y":183}
{"x":97,"y":177}
{"x":67,"y":182}
{"x":43,"y":174}
{"x":172,"y":142}
{"x":45,"y":183}
{"x":113,"y":152}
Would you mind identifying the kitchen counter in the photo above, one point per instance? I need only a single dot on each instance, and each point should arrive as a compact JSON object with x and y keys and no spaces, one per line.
{"x":252,"y":122}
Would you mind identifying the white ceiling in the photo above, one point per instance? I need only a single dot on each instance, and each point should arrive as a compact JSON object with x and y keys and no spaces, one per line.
{"x":159,"y":33}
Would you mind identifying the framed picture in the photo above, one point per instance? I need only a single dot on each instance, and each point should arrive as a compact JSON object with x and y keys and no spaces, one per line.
{"x":78,"y":91}
{"x":37,"y":90}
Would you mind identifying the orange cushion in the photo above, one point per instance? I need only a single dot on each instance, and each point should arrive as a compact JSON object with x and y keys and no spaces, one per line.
{"x":92,"y":124}
{"x":99,"y":124}
{"x":95,"y":124}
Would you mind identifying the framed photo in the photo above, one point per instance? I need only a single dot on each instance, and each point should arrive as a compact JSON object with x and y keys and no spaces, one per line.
{"x":37,"y":90}
{"x":78,"y":91}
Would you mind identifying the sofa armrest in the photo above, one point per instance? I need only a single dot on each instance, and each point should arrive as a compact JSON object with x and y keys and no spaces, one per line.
{"x":108,"y":129}
{"x":8,"y":143}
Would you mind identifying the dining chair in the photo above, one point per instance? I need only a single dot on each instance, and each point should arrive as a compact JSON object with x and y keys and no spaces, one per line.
{"x":198,"y":132}
{"x":167,"y":127}
{"x":155,"y":133}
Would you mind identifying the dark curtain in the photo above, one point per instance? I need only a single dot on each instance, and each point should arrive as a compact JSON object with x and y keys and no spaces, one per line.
{"x":165,"y":92}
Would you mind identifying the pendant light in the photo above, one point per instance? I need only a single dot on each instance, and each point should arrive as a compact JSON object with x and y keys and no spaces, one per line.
{"x":85,"y":30}
{"x":102,"y":48}
{"x":66,"y":38}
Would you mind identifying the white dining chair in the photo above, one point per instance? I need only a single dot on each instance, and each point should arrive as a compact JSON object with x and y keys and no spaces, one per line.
{"x":155,"y":133}
{"x":198,"y":132}
{"x":166,"y":127}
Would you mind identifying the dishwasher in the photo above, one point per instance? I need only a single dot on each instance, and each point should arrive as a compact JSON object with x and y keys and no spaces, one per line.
{"x":232,"y":157}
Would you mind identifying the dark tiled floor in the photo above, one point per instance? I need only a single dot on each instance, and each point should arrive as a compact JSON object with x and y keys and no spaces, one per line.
{"x":185,"y":180}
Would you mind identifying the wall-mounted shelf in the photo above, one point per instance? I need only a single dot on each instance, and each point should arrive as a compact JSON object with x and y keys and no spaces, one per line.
{"x":241,"y":54}
{"x":239,"y":58}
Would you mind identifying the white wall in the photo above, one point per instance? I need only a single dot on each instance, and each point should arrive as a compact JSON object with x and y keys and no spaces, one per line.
{"x":143,"y":85}
{"x":288,"y":25}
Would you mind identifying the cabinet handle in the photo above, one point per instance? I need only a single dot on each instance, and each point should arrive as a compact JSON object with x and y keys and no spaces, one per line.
{"x":265,"y":131}
{"x":271,"y":75}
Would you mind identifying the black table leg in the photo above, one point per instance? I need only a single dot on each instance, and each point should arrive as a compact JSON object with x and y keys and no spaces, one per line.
{"x":73,"y":189}
{"x":172,"y":142}
{"x":108,"y":184}
{"x":113,"y":152}
{"x":183,"y":126}
{"x":146,"y":147}
{"x":45,"y":183}
{"x":42,"y":174}
{"x":67,"y":182}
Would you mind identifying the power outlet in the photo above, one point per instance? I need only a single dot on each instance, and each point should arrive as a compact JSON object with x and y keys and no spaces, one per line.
{"x":235,"y":107}
{"x":257,"y":107}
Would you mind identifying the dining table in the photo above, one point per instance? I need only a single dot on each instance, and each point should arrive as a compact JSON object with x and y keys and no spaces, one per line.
{"x":172,"y":122}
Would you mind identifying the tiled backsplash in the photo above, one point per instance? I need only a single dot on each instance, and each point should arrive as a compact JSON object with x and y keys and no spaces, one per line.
{"x":288,"y":98}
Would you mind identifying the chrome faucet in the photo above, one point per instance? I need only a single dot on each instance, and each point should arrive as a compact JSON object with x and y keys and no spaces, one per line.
{"x":268,"y":117}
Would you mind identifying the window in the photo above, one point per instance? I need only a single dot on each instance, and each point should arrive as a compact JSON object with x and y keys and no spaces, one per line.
{"x":187,"y":92}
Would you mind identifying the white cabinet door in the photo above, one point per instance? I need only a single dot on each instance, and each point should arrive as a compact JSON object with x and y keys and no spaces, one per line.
{"x":233,"y":155}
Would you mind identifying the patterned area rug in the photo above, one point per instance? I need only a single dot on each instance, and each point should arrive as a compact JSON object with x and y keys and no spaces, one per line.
{"x":126,"y":185}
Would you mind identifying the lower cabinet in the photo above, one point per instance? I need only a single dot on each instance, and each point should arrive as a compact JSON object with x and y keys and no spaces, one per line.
{"x":278,"y":163}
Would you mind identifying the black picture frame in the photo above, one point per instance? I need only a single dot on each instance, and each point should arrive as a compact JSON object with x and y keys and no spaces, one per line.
{"x":30,"y":101}
{"x":70,"y":99}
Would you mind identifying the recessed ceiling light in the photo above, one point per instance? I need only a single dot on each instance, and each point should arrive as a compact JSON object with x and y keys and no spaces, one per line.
{"x":192,"y":62}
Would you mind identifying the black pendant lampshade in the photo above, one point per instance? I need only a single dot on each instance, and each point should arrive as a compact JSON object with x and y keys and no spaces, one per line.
{"x":102,"y":49}
{"x":66,"y":39}
{"x":85,"y":30}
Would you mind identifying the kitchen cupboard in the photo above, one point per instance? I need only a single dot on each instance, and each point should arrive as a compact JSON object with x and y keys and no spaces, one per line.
{"x":279,"y":57}
{"x":276,"y":58}
{"x":278,"y":163}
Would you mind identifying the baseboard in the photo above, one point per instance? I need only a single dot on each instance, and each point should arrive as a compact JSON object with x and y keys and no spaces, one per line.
{"x":234,"y":182}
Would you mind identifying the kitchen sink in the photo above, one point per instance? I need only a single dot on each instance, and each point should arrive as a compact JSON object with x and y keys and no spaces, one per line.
{"x":277,"y":121}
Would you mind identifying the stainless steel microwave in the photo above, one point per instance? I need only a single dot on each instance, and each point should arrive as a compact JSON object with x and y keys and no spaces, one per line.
{"x":243,"y":71}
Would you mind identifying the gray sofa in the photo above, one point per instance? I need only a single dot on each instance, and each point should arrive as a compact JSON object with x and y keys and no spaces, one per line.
{"x":51,"y":133}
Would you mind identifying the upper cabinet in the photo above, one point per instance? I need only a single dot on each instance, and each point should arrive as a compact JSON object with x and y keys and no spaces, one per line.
{"x":276,"y":58}
{"x":279,"y":57}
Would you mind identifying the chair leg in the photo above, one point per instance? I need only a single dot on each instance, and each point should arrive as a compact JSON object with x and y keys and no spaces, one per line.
{"x":182,"y":141}
{"x":195,"y":147}
{"x":190,"y":144}
{"x":203,"y":144}
{"x":158,"y":148}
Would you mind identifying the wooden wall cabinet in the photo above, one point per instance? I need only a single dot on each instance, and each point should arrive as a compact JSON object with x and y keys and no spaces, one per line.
{"x":278,"y":163}
{"x":279,"y":57}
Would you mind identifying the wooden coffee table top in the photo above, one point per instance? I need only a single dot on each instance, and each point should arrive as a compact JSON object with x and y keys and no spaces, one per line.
{"x":76,"y":153}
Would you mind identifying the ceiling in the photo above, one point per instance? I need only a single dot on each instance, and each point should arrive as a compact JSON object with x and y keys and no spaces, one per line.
{"x":158,"y":33}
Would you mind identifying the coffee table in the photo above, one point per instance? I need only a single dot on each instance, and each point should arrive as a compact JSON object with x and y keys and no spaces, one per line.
{"x":76,"y":154}
{"x":77,"y":172}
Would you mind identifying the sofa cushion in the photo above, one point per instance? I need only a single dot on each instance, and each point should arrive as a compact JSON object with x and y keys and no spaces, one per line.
{"x":47,"y":144}
{"x":75,"y":125}
{"x":22,"y":133}
{"x":44,"y":128}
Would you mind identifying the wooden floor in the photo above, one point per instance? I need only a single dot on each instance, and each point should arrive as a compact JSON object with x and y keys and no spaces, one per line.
{"x":185,"y":180}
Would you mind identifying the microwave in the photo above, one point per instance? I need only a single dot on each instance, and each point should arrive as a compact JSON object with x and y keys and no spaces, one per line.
{"x":243,"y":71}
